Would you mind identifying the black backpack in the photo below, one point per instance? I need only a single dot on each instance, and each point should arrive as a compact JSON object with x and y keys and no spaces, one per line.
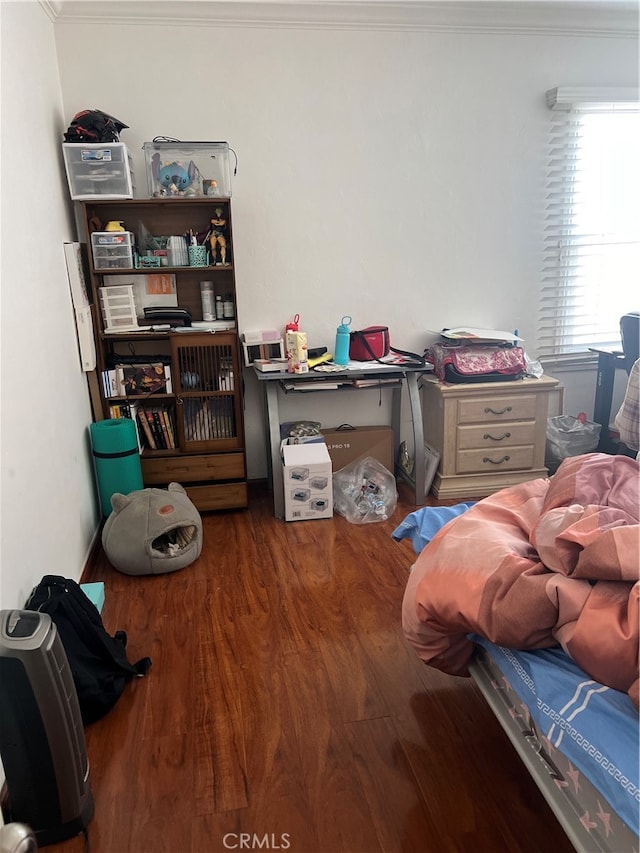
{"x":98,"y":661}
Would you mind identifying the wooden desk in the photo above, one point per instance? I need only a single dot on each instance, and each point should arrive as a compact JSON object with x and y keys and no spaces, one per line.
{"x":290,"y":383}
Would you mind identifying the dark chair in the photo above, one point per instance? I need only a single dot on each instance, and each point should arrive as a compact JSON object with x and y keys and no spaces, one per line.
{"x":608,"y":361}
{"x":630,"y":335}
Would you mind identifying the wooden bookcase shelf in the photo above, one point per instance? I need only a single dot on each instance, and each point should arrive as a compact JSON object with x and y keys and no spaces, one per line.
{"x":206,"y":452}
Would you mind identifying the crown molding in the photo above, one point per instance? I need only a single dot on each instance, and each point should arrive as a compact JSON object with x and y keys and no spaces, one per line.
{"x":604,"y":18}
{"x":51,"y":8}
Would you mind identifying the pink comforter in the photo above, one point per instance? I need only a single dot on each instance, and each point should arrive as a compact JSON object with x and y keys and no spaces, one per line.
{"x":544,"y":563}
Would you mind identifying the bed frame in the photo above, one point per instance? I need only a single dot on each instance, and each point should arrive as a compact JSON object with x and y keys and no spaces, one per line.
{"x":545,"y":771}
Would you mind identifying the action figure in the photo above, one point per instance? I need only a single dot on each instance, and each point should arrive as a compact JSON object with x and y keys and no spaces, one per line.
{"x":218,"y":237}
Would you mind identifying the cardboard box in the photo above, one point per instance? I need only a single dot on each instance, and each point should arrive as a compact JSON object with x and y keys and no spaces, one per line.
{"x":308,"y":484}
{"x":346,"y":445}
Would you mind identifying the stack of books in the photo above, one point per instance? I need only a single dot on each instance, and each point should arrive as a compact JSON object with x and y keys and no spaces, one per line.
{"x":155,"y":425}
{"x":158,"y":427}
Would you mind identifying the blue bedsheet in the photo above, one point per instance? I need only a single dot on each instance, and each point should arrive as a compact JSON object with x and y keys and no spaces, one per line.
{"x":594,"y":726}
{"x":597,"y":728}
{"x":423,"y":524}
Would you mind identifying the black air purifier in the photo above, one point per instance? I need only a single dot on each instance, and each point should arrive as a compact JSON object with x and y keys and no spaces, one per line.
{"x":42,"y":742}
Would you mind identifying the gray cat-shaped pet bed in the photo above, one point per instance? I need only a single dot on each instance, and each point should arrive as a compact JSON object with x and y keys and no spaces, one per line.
{"x":152,"y":531}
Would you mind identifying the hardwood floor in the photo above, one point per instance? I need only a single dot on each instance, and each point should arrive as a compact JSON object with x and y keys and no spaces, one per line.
{"x":284,"y":710}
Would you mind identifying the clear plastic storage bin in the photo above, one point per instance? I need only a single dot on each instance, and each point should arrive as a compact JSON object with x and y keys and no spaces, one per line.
{"x":98,"y":170}
{"x":187,"y":169}
{"x":112,"y":250}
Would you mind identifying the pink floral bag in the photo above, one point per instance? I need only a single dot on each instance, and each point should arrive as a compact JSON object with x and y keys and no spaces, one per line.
{"x":475,"y":363}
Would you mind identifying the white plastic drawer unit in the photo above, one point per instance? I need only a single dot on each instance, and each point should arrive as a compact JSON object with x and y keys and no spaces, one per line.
{"x":112,"y":250}
{"x":118,"y":308}
{"x":98,"y":170}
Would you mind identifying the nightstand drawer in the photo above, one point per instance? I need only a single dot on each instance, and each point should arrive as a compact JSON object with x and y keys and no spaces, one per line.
{"x":495,"y":435}
{"x":495,"y":459}
{"x":508,"y":407}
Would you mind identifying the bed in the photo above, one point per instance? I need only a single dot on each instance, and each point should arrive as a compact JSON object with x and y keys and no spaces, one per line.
{"x":534,"y":593}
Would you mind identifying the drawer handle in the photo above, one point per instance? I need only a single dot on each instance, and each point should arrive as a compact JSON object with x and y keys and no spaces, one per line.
{"x":489,"y":411}
{"x":496,"y":437}
{"x":496,"y":461}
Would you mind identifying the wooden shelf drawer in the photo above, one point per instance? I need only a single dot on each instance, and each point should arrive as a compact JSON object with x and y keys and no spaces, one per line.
{"x":495,"y":435}
{"x":509,"y":407}
{"x":223,"y":496}
{"x":495,"y":459}
{"x":190,"y":469}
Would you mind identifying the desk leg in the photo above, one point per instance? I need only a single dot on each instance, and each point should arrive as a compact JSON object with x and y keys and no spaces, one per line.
{"x":273,"y":443}
{"x":396,"y":412}
{"x":418,"y":437}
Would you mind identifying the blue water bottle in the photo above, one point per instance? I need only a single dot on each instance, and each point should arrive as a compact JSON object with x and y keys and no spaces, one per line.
{"x":341,"y":354}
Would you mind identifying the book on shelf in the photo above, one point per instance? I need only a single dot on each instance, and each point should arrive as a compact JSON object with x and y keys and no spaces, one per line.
{"x":155,"y":428}
{"x":112,"y":383}
{"x":208,"y":420}
{"x":146,"y":429}
{"x":161,"y":426}
{"x":168,"y":420}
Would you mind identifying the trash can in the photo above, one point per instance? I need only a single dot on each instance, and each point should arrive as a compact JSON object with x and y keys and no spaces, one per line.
{"x":570,"y":436}
{"x":116,"y":459}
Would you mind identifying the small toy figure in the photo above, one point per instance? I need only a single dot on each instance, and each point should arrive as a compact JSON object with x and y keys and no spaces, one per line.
{"x":173,"y":178}
{"x":218,"y":237}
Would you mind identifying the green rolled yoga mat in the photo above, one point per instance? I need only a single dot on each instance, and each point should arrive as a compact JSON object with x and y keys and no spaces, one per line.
{"x":116,"y":459}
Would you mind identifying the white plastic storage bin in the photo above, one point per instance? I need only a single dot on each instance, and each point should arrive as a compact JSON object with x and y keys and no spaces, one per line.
{"x":112,"y":250}
{"x":187,"y":169}
{"x":118,"y":308}
{"x":98,"y":170}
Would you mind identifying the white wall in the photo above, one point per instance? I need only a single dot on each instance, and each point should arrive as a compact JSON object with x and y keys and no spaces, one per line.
{"x":392,"y":175}
{"x":48,"y":505}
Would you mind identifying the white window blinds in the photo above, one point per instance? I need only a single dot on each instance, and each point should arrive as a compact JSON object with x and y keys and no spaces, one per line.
{"x":592,"y":236}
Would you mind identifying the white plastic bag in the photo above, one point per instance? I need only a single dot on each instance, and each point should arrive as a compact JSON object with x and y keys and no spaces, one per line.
{"x":570,"y":436}
{"x":364,"y":491}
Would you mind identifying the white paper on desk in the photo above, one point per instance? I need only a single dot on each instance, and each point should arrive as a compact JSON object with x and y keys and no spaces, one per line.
{"x":468,"y":333}
{"x":313,"y":386}
{"x":370,"y":365}
{"x":395,"y":364}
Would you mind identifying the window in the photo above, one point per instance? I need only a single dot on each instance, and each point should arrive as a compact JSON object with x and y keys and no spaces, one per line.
{"x":592,"y":238}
